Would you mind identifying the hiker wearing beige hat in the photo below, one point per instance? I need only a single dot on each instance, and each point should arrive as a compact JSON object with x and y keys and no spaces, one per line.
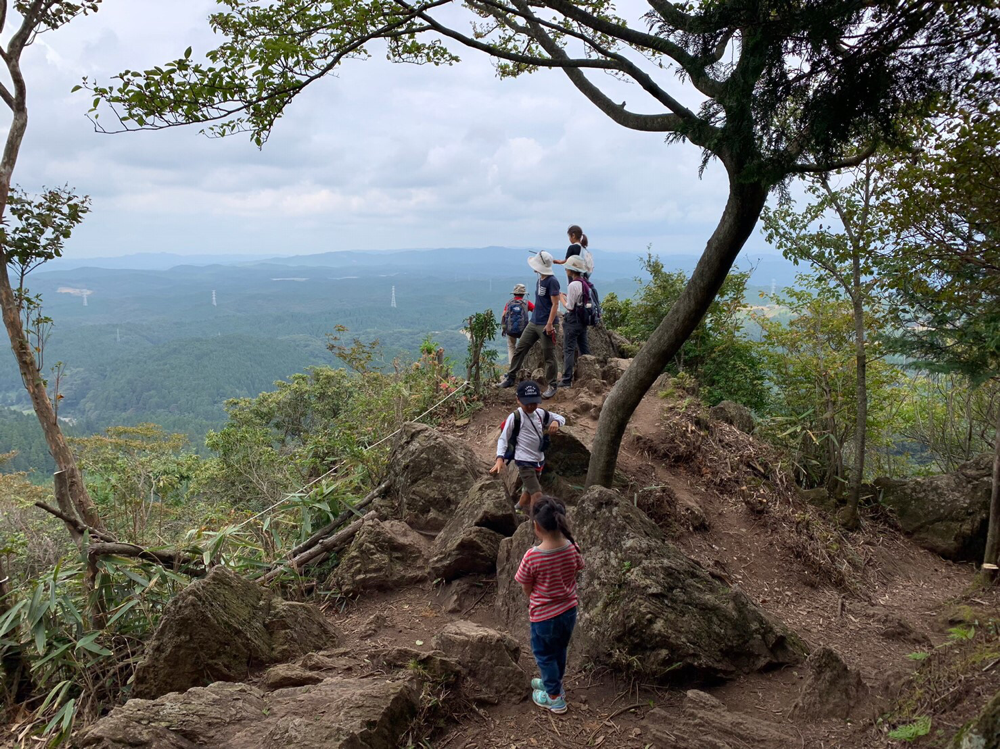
{"x":542,"y":325}
{"x":515,"y":318}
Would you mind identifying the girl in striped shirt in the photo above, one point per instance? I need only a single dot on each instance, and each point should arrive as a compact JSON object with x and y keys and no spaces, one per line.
{"x":548,"y":575}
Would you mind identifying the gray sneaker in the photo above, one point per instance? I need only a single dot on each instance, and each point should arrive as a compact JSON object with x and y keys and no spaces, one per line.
{"x":549,"y":393}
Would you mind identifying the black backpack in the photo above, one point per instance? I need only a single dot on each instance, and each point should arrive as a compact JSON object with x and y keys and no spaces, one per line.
{"x":508,"y":454}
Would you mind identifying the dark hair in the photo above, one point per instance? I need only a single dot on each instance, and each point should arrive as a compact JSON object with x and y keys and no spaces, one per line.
{"x":583,"y":239}
{"x":575,"y":231}
{"x":550,"y":514}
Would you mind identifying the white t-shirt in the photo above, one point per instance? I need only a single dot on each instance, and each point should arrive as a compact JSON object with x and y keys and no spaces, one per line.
{"x":574,"y":295}
{"x":529,"y":439}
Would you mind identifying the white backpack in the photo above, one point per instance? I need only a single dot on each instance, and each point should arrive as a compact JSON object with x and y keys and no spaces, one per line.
{"x":588,"y":259}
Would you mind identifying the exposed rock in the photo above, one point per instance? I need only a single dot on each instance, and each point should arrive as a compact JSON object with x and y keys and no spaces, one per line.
{"x":383,"y":556}
{"x":831,"y":690}
{"x":290,"y":675}
{"x":648,"y":608}
{"x":333,"y":714}
{"x":733,"y":413}
{"x":705,"y":723}
{"x":459,"y":595}
{"x":568,"y":458}
{"x":469,"y":542}
{"x":221,"y":627}
{"x":430,"y":473}
{"x":588,"y":367}
{"x":373,"y":625}
{"x":948,"y":513}
{"x":602,"y":347}
{"x":434,"y":664}
{"x":488,"y":659}
{"x":819,"y":497}
{"x":984,"y":731}
{"x":614,"y":369}
{"x":472,"y":552}
{"x":900,"y":630}
{"x":511,"y":605}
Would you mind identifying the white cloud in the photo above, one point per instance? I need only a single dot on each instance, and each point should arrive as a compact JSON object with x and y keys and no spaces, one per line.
{"x":379,"y":156}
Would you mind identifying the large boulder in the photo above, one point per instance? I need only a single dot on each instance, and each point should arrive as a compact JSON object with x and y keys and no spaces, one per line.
{"x":948,"y":513}
{"x":510,"y":604}
{"x":831,"y":689}
{"x":647,"y":608}
{"x":220,"y":629}
{"x":332,"y":714}
{"x":469,"y":542}
{"x":385,"y":555}
{"x":429,"y":474}
{"x":602,"y":347}
{"x":567,"y":458}
{"x":703,"y":722}
{"x":734,"y":414}
{"x":984,"y":731}
{"x":489,"y":661}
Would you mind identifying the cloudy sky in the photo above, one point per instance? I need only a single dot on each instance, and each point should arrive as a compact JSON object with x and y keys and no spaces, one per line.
{"x":382,"y":156}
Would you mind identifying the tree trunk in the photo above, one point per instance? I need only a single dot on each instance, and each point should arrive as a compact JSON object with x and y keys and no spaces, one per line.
{"x":850,"y":517}
{"x":33,"y":383}
{"x":738,"y":220}
{"x":992,"y":555}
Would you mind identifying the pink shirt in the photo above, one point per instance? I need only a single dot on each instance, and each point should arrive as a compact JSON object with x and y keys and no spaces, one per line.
{"x":552,"y":575}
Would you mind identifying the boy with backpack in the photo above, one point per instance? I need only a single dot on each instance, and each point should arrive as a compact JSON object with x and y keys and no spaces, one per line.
{"x":515,"y":319}
{"x":582,"y":311}
{"x":524,"y":439}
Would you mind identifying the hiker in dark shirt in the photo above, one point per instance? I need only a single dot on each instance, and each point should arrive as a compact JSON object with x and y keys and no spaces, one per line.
{"x":578,"y":246}
{"x":574,"y":321}
{"x":542,"y":325}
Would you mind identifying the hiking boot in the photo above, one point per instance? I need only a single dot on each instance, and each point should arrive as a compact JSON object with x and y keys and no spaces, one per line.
{"x":549,"y":393}
{"x":507,"y":382}
{"x":564,"y":385}
{"x":557,"y":705}
{"x":540,"y":685}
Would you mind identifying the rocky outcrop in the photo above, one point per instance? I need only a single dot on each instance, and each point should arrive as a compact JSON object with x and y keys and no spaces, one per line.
{"x":385,"y":555}
{"x":220,"y":629}
{"x":511,"y":605}
{"x":948,"y":513}
{"x":566,"y":463}
{"x":602,"y":348}
{"x":831,"y":689}
{"x":469,"y":542}
{"x":705,"y":723}
{"x":489,"y":662}
{"x":734,"y":414}
{"x":332,"y":714}
{"x":430,"y":473}
{"x":647,"y":608}
{"x":984,"y":731}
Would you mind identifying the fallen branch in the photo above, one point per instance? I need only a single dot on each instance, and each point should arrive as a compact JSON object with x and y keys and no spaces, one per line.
{"x":167,"y":558}
{"x":326,"y":530}
{"x":76,"y":524}
{"x":314,"y":554}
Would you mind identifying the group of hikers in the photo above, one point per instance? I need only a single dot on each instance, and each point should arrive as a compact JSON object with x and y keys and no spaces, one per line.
{"x":524,"y":324}
{"x":548,"y":571}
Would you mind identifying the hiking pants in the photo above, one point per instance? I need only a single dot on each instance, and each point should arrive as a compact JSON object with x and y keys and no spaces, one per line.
{"x":532,"y":334}
{"x":511,"y":345}
{"x":574,"y":334}
{"x":549,"y":643}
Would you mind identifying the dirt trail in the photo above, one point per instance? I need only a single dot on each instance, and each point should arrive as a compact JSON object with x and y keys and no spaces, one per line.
{"x":897,"y":582}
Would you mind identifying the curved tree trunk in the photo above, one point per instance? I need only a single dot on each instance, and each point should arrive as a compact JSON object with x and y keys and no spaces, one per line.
{"x":743,"y":208}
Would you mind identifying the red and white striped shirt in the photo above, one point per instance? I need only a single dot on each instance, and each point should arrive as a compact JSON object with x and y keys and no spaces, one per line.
{"x":552,"y":576}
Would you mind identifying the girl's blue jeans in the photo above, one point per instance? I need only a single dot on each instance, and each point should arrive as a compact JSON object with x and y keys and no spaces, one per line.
{"x":549,"y":642}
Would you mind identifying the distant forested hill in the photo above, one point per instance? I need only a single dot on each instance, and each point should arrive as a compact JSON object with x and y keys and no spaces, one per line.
{"x":150,"y":345}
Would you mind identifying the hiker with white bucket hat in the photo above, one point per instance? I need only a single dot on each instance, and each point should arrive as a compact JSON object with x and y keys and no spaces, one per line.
{"x":574,"y":321}
{"x":542,"y":325}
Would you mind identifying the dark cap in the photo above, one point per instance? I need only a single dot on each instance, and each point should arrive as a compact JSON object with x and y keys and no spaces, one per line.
{"x":528,"y":392}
